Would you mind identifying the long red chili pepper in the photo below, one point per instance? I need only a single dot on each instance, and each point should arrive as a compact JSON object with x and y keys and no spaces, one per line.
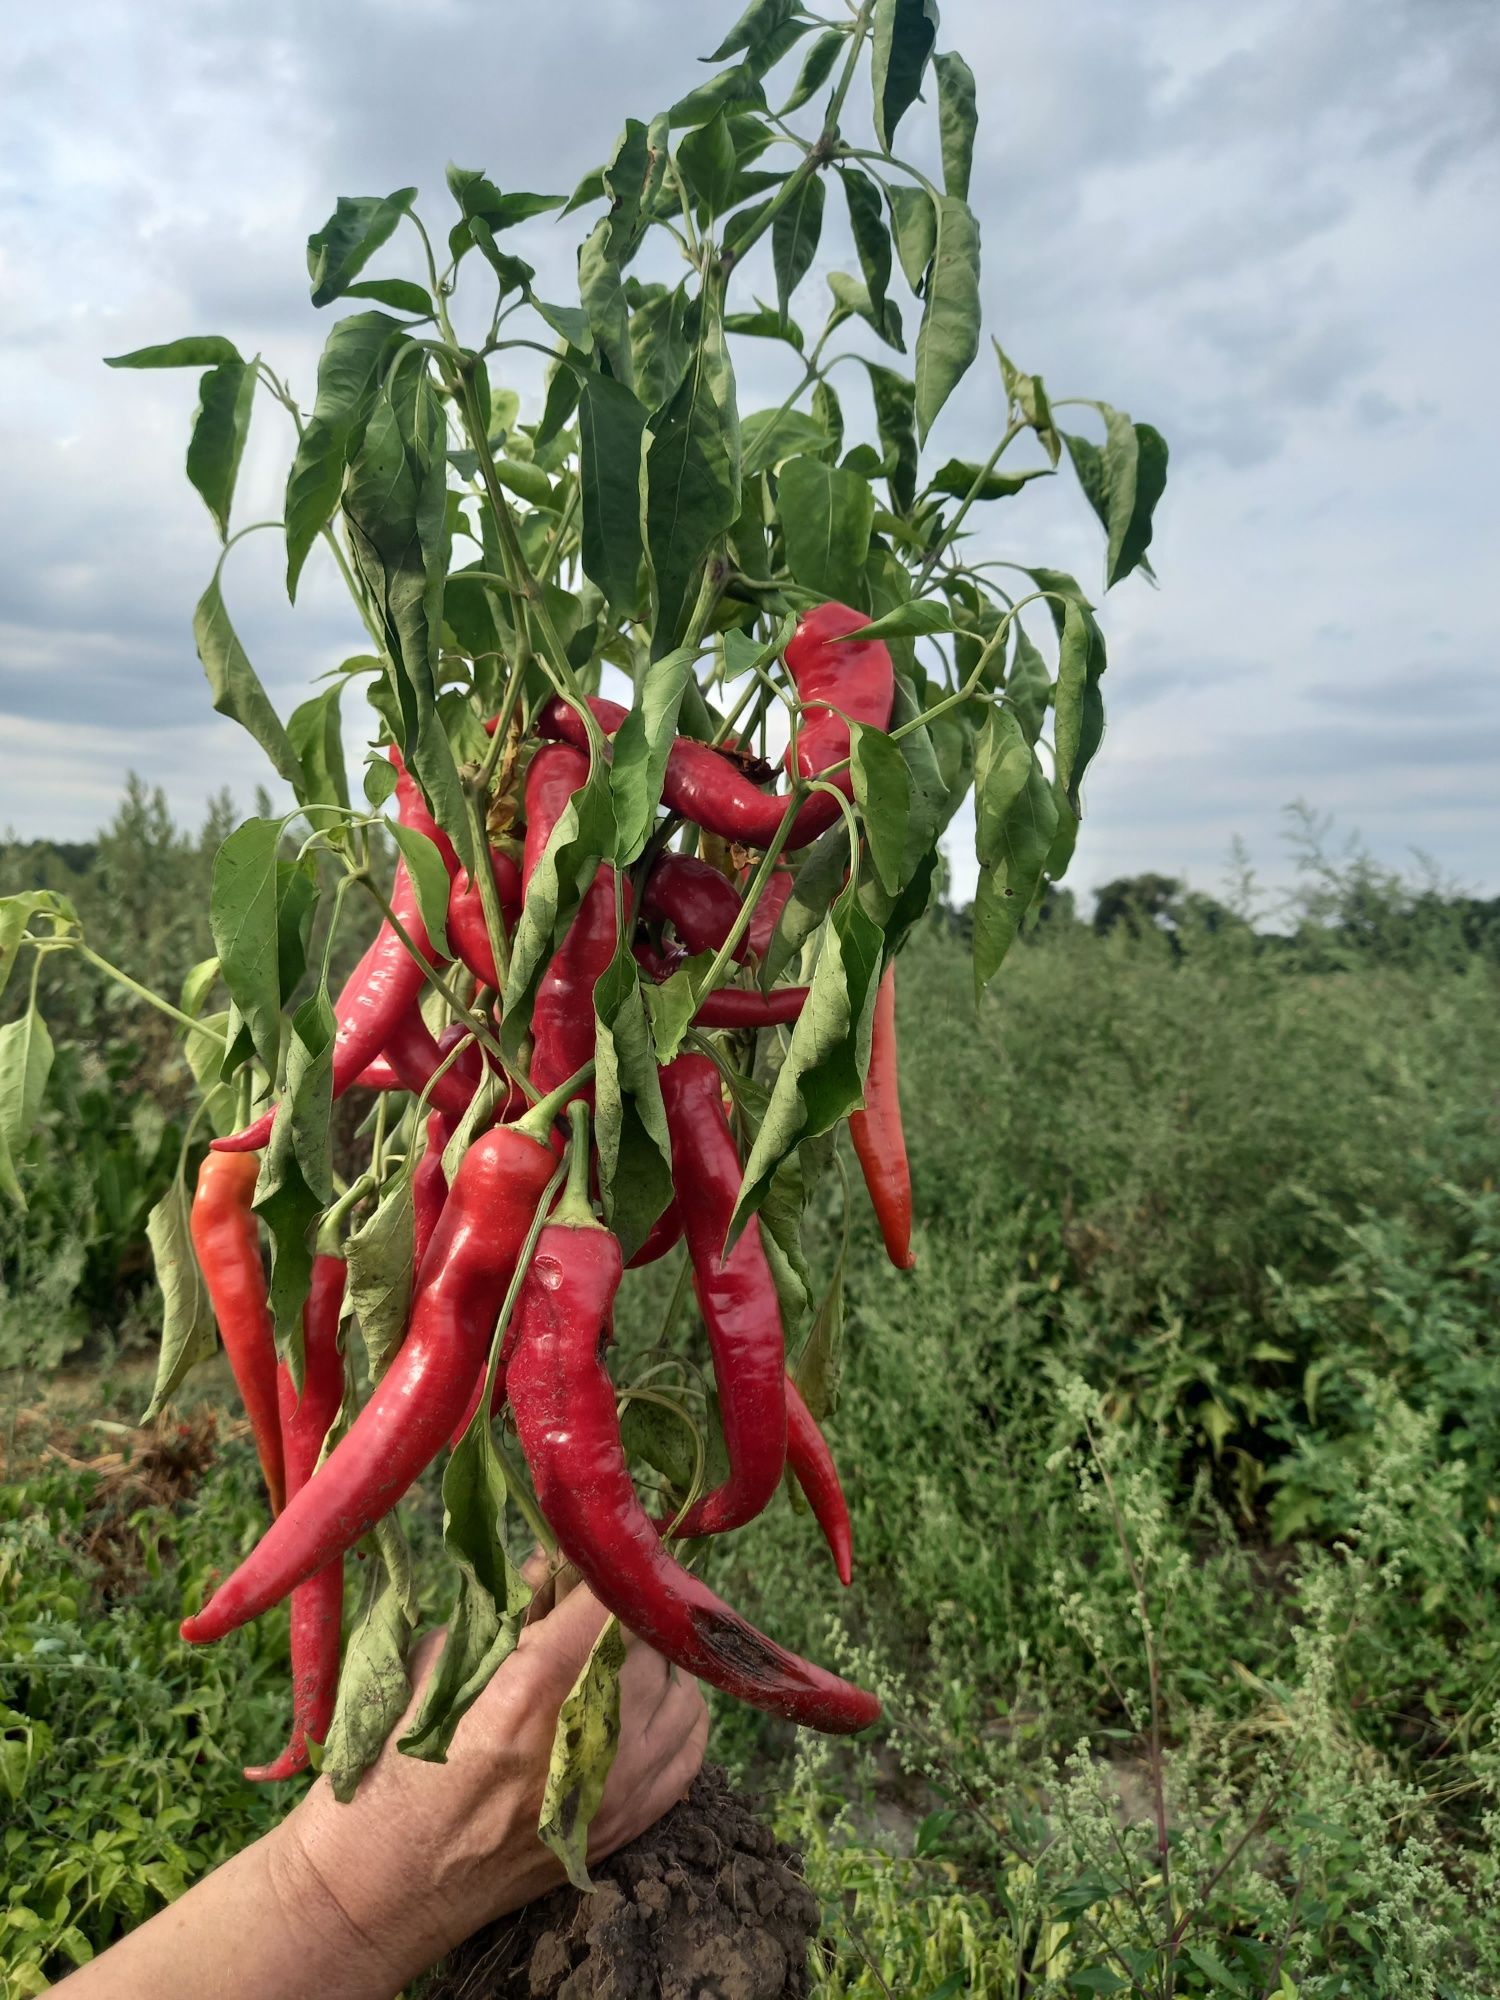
{"x":813,"y":1468}
{"x":415,"y":1055}
{"x":564,"y":1407}
{"x":468,"y":933}
{"x":562,"y":1015}
{"x":317,"y":1604}
{"x":413,"y":1409}
{"x":411,"y":810}
{"x":429,"y":1186}
{"x":555,"y":773}
{"x":664,"y":1233}
{"x":829,"y":671}
{"x":767,"y":912}
{"x":378,"y":993}
{"x":226,"y":1238}
{"x":879,"y":1140}
{"x":737,"y":1007}
{"x":737,"y":1297}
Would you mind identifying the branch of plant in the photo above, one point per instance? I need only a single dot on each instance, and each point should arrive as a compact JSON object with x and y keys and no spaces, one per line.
{"x":1012,"y":432}
{"x":131,"y":985}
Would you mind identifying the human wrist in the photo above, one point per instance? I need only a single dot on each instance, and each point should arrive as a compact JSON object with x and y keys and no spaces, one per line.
{"x":361,"y":1939}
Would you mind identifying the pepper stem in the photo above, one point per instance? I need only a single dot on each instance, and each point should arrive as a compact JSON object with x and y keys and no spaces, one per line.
{"x":537,"y":1123}
{"x":575,"y":1211}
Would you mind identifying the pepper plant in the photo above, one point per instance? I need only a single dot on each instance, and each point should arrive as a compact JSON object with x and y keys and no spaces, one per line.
{"x":740,"y":581}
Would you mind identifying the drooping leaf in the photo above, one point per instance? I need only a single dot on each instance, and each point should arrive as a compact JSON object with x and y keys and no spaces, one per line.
{"x":632,"y":180}
{"x":399,"y":293}
{"x":794,"y":237}
{"x":188,"y":1334}
{"x":661,"y":345}
{"x":760,"y":20}
{"x":1122,"y":484}
{"x":905,"y":31}
{"x":355,"y":353}
{"x":1030,"y":398}
{"x":851,"y":297}
{"x":242,"y":914}
{"x":641,"y":747}
{"x":611,"y":426}
{"x":630,"y":1123}
{"x":373,"y":1686}
{"x":429,"y":879}
{"x":818,"y":881}
{"x":918,"y":617}
{"x":339,"y":251}
{"x":961,"y":476}
{"x":1077,"y":700}
{"x":1028,"y":685}
{"x":737,"y":86}
{"x":883,"y":798}
{"x":692,"y":481}
{"x":25,"y":1064}
{"x":379,"y":1254}
{"x":220,"y":427}
{"x":766,"y":324}
{"x":914,"y":225}
{"x":817,"y":67}
{"x":583,"y":1754}
{"x":768,"y":437}
{"x":296,"y":1176}
{"x":1015,"y":817}
{"x":896,"y":421}
{"x":314,"y":732}
{"x":488,"y":1613}
{"x":819,"y":1365}
{"x":872,"y":240}
{"x":948,"y":338}
{"x":826,"y":516}
{"x":237,"y":689}
{"x":602,"y":289}
{"x":958,"y":119}
{"x":820,"y":1081}
{"x":706,"y":159}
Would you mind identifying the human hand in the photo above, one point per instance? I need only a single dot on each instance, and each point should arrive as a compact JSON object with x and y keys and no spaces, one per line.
{"x":427,"y":1853}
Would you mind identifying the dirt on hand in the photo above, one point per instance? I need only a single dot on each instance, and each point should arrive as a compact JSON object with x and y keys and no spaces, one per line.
{"x":706,"y":1905}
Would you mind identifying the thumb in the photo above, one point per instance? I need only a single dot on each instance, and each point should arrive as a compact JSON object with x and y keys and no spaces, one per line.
{"x":558,"y":1646}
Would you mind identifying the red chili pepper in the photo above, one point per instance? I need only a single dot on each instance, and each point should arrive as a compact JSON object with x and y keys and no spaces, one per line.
{"x":713,"y":792}
{"x":378,"y":1075}
{"x":695,"y":899}
{"x":815,"y":1472}
{"x":413,"y":1409}
{"x":429,"y":1186}
{"x":411,"y":810}
{"x":378,"y":993}
{"x":564,"y":1407}
{"x":737,"y":1297}
{"x":735,"y":1007}
{"x":468,"y":933}
{"x":317,"y":1604}
{"x":657,"y":965}
{"x":555,"y":773}
{"x":226,"y":1238}
{"x":663,"y":1234}
{"x":415,"y":1054}
{"x":562,"y":1015}
{"x":877,"y":1133}
{"x":767,"y":912}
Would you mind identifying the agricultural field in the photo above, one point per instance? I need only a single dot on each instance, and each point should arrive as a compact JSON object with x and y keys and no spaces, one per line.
{"x":1172,"y":1467}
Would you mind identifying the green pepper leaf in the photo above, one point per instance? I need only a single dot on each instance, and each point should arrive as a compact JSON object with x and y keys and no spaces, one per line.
{"x":707,"y":161}
{"x":25,"y":1065}
{"x":220,"y":427}
{"x":896,"y":420}
{"x":817,"y":67}
{"x":948,"y":338}
{"x":296,"y":1176}
{"x":611,"y":431}
{"x":583,"y":1754}
{"x":242,"y":915}
{"x":692,"y":481}
{"x":373,"y":1687}
{"x":642,"y":745}
{"x":316,"y":736}
{"x":353,"y":357}
{"x":237,"y":689}
{"x":1015,"y":818}
{"x":826,"y":517}
{"x":194,"y":350}
{"x":1077,"y":700}
{"x":339,"y":251}
{"x":883,"y":797}
{"x":630,"y":1123}
{"x":188,"y":1332}
{"x":914,"y":226}
{"x":379,"y":1254}
{"x":905,"y":31}
{"x":490,"y":1608}
{"x":1122,"y":484}
{"x":958,"y":119}
{"x":872,"y":240}
{"x":821,"y":1079}
{"x":1028,"y":685}
{"x":429,"y":879}
{"x":794,"y":238}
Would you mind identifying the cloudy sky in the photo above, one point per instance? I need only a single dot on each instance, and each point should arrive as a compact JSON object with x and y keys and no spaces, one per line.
{"x":1270,"y":229}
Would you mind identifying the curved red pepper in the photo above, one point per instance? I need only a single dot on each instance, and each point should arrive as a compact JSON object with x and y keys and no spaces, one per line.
{"x":317,"y":1604}
{"x":411,"y":810}
{"x":554,"y":774}
{"x":429,"y":1186}
{"x":378,"y":993}
{"x":737,"y":1007}
{"x":879,"y":1140}
{"x":767,"y":912}
{"x":713,"y":792}
{"x":410,"y":1415}
{"x":813,"y":1468}
{"x":737,"y":1297}
{"x":564,"y":1407}
{"x":468,"y":933}
{"x":226,"y":1239}
{"x":664,"y":1233}
{"x":415,"y":1053}
{"x":562,"y":1016}
{"x":695,"y":899}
